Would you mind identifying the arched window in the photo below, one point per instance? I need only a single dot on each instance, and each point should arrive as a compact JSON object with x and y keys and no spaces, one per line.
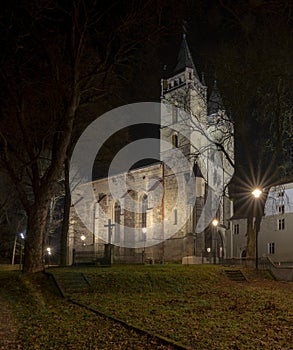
{"x":144,"y":207}
{"x":117,"y":218}
{"x":175,"y":140}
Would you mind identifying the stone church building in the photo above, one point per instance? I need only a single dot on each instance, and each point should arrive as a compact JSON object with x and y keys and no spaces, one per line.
{"x":170,"y":210}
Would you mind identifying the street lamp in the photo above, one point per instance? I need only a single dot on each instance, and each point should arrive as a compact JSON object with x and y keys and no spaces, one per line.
{"x":82,"y":237}
{"x":256,"y":194}
{"x":49,"y":252}
{"x":215,"y":223}
{"x":144,"y":231}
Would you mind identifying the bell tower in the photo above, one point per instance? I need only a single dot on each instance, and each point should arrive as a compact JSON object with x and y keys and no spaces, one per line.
{"x":184,"y":101}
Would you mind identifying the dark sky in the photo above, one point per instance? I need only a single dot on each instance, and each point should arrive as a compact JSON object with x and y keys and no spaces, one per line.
{"x":245,"y":44}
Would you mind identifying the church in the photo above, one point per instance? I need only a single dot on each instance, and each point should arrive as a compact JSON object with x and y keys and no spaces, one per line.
{"x":176,"y":209}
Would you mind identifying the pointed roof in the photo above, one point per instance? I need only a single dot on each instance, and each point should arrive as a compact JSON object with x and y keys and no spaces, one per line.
{"x":184,"y":58}
{"x":215,"y":101}
{"x":196,"y":171}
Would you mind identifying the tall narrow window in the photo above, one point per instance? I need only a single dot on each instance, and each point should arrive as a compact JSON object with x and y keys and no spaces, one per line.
{"x":175,"y":140}
{"x":175,"y":112}
{"x":281,"y":224}
{"x":144,"y":207}
{"x":281,"y":209}
{"x":175,"y":216}
{"x":236,"y":229}
{"x":117,"y":218}
{"x":271,"y":248}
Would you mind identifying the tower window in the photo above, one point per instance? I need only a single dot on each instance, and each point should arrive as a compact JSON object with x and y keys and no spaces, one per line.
{"x":175,"y":140}
{"x":236,"y":229}
{"x":281,"y":209}
{"x":281,"y":224}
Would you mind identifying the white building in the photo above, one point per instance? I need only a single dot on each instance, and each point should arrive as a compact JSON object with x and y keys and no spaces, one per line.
{"x":275,"y":239}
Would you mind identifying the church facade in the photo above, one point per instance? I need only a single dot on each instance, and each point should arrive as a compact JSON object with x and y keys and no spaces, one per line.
{"x":176,"y":209}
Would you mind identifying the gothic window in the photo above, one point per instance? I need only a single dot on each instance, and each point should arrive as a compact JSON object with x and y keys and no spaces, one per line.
{"x":175,"y":140}
{"x":271,"y":248}
{"x":117,"y":218}
{"x":281,"y":224}
{"x":175,"y":216}
{"x":103,"y":200}
{"x":144,"y":207}
{"x":236,"y":229}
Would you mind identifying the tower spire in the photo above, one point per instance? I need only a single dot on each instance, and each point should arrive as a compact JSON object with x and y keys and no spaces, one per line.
{"x":184,"y":59}
{"x":215,"y":101}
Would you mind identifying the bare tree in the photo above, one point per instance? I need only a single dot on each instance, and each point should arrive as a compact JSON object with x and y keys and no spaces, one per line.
{"x":255,"y":69}
{"x":57,"y":60}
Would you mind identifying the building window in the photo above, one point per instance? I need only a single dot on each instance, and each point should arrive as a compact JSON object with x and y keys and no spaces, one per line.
{"x":175,"y":112}
{"x":175,"y":140}
{"x":281,"y":194}
{"x":281,"y":209}
{"x":117,"y":218}
{"x":103,"y":199}
{"x":236,"y":229}
{"x":144,"y":207}
{"x":281,"y":224}
{"x":271,"y":248}
{"x":175,"y":216}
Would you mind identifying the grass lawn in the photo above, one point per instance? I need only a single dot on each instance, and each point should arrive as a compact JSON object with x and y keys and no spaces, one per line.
{"x":195,"y":305}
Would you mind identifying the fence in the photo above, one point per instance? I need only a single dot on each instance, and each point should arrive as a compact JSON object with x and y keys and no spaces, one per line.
{"x":89,"y":258}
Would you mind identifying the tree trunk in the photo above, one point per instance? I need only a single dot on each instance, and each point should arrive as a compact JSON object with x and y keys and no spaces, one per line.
{"x":36,"y":226}
{"x":66,"y":214}
{"x":250,"y":247}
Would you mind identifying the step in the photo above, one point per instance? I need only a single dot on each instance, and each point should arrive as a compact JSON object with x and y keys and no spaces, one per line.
{"x":71,"y":282}
{"x":235,"y":275}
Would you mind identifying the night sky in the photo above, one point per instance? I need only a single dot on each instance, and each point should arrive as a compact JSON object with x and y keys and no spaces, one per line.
{"x":246,"y":45}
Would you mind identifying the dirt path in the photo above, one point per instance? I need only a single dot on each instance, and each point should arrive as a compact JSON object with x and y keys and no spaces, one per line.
{"x":8,"y":328}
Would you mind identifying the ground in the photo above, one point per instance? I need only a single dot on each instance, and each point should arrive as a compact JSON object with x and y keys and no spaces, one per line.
{"x":197,"y":306}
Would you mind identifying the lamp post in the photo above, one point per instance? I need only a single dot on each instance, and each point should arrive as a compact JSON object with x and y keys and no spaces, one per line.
{"x":144,"y":231}
{"x":22,"y":242}
{"x":49,"y":252}
{"x":215,"y":223}
{"x":256,"y":194}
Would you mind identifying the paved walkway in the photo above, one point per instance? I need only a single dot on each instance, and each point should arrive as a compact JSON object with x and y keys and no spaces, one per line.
{"x":8,"y":328}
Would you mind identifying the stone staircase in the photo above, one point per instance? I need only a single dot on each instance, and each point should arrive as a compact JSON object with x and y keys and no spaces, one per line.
{"x":235,"y":275}
{"x":71,"y":282}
